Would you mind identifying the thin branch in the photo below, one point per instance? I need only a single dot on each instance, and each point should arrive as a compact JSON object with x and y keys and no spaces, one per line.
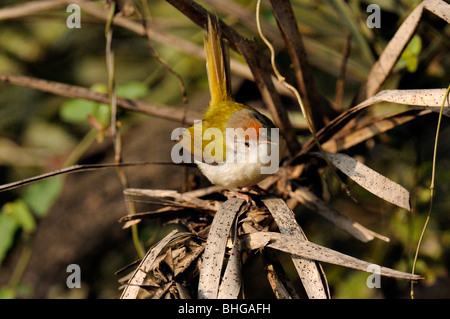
{"x":111,"y":6}
{"x":77,"y":169}
{"x":73,"y":91}
{"x":29,"y":8}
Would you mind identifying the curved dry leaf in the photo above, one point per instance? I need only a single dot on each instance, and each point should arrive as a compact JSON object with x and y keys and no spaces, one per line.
{"x":307,"y":249}
{"x":212,"y":260}
{"x":439,"y":8}
{"x":430,"y":99}
{"x":132,"y":288}
{"x":371,"y":180}
{"x":309,"y":271}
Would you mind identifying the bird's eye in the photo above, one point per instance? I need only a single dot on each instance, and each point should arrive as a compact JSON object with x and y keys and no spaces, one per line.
{"x":247,"y":144}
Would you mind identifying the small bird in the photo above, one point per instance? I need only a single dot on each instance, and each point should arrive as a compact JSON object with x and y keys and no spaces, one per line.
{"x":234,"y":145}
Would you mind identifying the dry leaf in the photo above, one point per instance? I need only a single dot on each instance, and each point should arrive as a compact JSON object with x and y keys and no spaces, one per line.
{"x":430,"y":99}
{"x":231,"y":281}
{"x":212,"y":259}
{"x":132,"y":288}
{"x":371,"y":180}
{"x":308,"y":271}
{"x":183,"y":262}
{"x":307,"y":249}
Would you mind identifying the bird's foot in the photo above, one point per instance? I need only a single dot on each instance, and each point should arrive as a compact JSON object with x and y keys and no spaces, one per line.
{"x":244,"y":196}
{"x":245,"y":193}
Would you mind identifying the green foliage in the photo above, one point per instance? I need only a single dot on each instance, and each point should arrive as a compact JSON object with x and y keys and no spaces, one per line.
{"x":133,"y":90}
{"x":77,"y":111}
{"x":410,"y":56}
{"x":40,"y":196}
{"x":14,"y":216}
{"x":8,"y":228}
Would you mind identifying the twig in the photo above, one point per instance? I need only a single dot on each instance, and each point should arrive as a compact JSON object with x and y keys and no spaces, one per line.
{"x":183,"y":45}
{"x":115,"y":133}
{"x":433,"y":173}
{"x":29,"y":8}
{"x":67,"y":170}
{"x":76,"y":169}
{"x":73,"y":91}
{"x":22,"y":263}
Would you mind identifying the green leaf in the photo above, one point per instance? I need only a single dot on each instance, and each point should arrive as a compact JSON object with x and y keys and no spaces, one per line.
{"x":76,"y":110}
{"x":8,"y":227}
{"x":412,"y":64}
{"x":102,"y":112}
{"x":40,"y":196}
{"x":415,"y":45}
{"x":132,"y":90}
{"x":409,"y":57}
{"x":20,"y":212}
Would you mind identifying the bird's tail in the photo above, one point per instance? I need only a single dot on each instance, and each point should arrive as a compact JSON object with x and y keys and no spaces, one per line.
{"x":217,"y":64}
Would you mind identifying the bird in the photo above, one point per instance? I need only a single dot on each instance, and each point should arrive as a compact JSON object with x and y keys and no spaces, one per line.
{"x":233,"y":145}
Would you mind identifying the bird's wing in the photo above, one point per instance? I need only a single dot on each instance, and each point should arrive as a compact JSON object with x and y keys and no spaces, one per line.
{"x":205,"y":144}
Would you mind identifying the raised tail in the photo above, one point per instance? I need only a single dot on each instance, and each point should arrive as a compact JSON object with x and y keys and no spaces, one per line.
{"x":217,"y":64}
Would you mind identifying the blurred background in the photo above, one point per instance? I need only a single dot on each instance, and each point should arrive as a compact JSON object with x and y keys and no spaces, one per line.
{"x":73,"y":219}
